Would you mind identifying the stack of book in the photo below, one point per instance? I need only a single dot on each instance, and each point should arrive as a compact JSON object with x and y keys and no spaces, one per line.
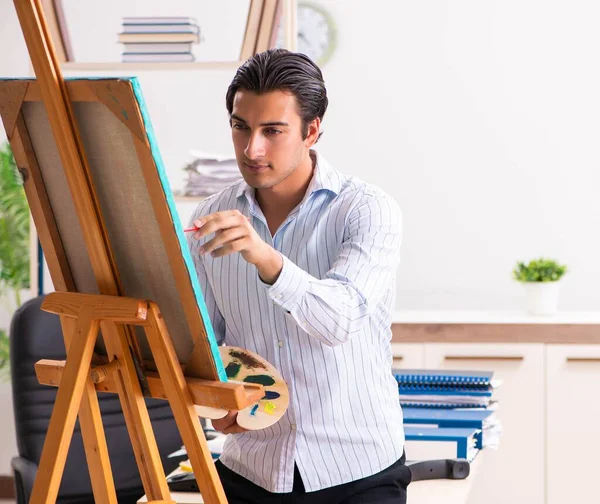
{"x":158,"y":39}
{"x":447,"y":413}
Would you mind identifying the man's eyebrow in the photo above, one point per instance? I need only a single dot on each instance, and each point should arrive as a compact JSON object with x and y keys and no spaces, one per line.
{"x":270,"y":123}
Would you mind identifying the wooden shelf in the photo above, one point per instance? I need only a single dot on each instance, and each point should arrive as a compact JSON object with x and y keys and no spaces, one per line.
{"x":117,"y":66}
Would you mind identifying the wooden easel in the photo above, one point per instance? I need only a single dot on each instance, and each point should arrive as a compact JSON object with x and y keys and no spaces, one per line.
{"x":82,"y":315}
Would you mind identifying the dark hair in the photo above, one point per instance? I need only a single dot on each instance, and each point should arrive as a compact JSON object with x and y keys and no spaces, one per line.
{"x":283,"y":70}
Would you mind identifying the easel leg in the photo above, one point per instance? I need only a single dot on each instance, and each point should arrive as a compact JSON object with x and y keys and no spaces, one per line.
{"x":182,"y":405}
{"x":64,"y":414}
{"x":92,"y":433}
{"x":136,"y":415}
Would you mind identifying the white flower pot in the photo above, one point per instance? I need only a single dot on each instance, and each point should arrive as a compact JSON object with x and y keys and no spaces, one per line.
{"x":542,"y":297}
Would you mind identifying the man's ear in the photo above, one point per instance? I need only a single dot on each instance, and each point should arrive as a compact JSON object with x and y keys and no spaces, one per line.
{"x":314,"y":129}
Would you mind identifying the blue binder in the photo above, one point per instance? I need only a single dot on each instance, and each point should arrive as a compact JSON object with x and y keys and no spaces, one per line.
{"x":449,"y":390}
{"x":437,"y":443}
{"x":492,"y":406}
{"x":449,"y":418}
{"x":443,"y":377}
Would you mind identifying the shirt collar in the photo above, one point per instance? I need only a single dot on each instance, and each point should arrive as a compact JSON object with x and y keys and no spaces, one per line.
{"x":325,"y":178}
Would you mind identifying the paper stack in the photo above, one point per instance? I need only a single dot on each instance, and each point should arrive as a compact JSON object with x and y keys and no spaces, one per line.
{"x":208,"y":174}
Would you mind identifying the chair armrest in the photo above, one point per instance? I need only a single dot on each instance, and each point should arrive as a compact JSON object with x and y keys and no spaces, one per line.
{"x":25,"y":472}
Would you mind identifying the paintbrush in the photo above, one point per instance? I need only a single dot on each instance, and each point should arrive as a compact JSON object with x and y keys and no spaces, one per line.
{"x":189,"y":230}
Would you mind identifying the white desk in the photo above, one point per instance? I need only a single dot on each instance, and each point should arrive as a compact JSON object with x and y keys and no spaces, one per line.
{"x":448,"y":491}
{"x":419,"y":492}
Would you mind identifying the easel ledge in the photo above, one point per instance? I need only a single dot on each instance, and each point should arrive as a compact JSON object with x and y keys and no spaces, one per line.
{"x":215,"y":394}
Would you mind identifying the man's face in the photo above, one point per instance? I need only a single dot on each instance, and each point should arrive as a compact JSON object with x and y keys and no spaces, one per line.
{"x":267,"y":136}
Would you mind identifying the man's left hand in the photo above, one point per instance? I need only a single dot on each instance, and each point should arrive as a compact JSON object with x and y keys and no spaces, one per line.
{"x":234,"y":233}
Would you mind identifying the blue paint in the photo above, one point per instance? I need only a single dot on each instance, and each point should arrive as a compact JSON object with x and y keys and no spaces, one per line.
{"x":253,"y":410}
{"x":232,"y":369}
{"x":269,"y":396}
{"x":116,"y":100}
{"x":262,"y":379}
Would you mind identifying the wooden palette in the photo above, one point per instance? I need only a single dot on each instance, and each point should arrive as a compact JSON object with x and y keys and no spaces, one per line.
{"x":243,"y":366}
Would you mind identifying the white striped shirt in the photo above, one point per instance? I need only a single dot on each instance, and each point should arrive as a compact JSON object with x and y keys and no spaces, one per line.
{"x":325,"y":324}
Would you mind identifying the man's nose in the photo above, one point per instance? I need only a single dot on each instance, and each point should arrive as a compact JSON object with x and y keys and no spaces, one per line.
{"x":256,"y":147}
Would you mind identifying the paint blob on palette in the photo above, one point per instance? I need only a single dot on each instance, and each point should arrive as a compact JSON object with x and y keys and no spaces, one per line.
{"x":244,"y":366}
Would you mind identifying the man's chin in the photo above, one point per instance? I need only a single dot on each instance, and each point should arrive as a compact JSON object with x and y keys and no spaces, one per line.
{"x":258,"y":182}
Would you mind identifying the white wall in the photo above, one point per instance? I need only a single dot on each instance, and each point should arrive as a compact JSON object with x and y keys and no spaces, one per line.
{"x":480,"y":118}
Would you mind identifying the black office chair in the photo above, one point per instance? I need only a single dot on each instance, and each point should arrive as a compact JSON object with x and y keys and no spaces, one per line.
{"x":35,"y":335}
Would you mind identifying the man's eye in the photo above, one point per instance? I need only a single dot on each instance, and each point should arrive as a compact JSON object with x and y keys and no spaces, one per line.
{"x":239,"y":126}
{"x":271,"y":131}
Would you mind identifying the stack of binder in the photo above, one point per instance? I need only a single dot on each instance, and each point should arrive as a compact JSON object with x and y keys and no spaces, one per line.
{"x":446,"y":388}
{"x":448,"y":413}
{"x":158,"y":39}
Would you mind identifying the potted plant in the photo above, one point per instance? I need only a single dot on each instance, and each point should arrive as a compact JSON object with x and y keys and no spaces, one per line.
{"x":541,"y":279}
{"x":14,"y":280}
{"x":14,"y":243}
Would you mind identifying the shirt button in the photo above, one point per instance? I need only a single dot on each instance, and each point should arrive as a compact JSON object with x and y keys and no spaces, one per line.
{"x":280,"y":343}
{"x":278,"y":296}
{"x":293,"y":426}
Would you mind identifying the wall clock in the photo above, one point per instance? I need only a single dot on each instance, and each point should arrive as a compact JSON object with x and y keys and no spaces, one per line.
{"x":317,"y":34}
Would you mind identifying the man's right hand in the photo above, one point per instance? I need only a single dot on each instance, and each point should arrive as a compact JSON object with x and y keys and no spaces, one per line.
{"x":228,"y":424}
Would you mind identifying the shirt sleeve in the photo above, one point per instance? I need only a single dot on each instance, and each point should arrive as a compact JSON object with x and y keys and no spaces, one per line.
{"x":335,"y":307}
{"x":216,"y":318}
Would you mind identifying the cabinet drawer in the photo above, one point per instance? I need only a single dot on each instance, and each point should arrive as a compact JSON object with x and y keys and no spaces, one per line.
{"x":408,"y":355}
{"x":516,"y":471}
{"x":572,"y":380}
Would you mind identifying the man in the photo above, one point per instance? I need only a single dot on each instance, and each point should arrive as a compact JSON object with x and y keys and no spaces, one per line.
{"x":297,"y":263}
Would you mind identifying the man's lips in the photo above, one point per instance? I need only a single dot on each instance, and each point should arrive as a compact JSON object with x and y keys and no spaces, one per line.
{"x":256,"y":167}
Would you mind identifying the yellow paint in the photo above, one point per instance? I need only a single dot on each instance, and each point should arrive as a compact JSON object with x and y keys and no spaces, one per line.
{"x":186,"y":466}
{"x":270,"y":408}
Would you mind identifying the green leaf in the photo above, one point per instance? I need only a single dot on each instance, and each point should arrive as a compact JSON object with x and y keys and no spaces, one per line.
{"x":14,"y":239}
{"x":539,"y":270}
{"x":4,"y":349}
{"x":14,"y":224}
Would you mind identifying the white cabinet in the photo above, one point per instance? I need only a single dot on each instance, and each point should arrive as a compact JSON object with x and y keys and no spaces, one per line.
{"x":515,"y":473}
{"x":573,"y":407}
{"x":408,"y":355}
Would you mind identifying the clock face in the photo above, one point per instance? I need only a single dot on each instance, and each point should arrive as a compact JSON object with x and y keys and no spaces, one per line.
{"x":316,"y":33}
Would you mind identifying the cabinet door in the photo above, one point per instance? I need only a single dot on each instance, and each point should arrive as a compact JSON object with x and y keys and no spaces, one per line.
{"x":573,"y":406}
{"x":515,"y":472}
{"x":408,"y":355}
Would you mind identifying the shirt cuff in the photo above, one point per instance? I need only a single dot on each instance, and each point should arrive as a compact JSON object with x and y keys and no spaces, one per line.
{"x":290,"y":286}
